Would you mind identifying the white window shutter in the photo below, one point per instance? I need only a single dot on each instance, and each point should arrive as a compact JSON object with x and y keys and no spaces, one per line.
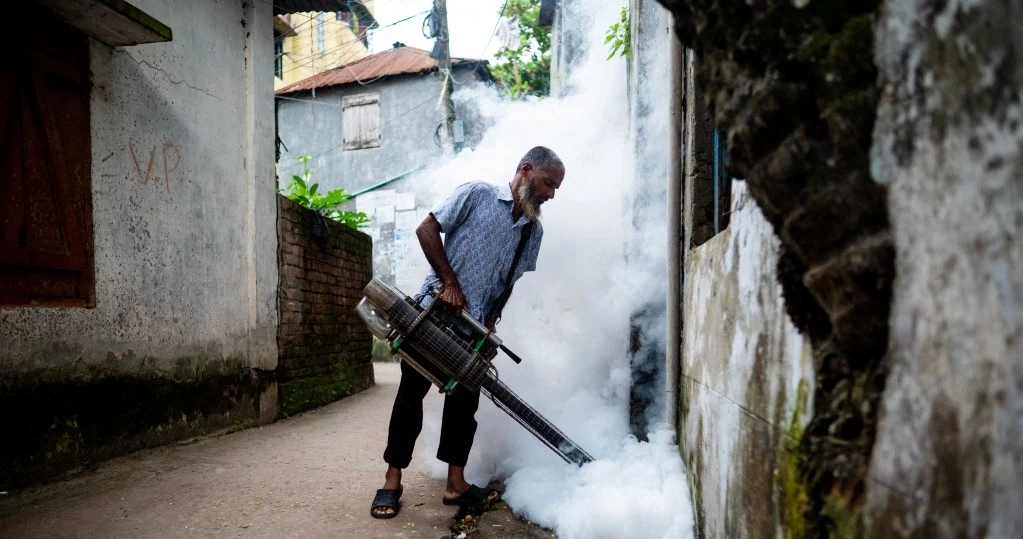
{"x":360,"y":121}
{"x":371,"y":125}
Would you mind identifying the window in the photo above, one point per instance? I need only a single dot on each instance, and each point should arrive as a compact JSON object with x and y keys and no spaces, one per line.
{"x":360,"y":121}
{"x":352,"y":20}
{"x":279,"y":56}
{"x":320,"y":45}
{"x":46,"y":250}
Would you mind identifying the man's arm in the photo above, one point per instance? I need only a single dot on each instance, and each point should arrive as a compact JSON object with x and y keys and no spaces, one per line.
{"x":428,"y":233}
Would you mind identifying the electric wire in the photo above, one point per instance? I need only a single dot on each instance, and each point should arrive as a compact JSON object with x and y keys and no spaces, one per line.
{"x":310,"y":59}
{"x":301,"y":59}
{"x":480,"y":61}
{"x":382,"y":124}
{"x":282,"y":8}
{"x":414,"y":108}
{"x":307,"y":60}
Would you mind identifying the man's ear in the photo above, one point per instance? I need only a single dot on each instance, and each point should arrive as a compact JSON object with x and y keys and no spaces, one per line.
{"x":526,"y":167}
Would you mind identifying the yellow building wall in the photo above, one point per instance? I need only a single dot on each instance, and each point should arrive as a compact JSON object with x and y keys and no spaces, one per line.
{"x":303,"y":56}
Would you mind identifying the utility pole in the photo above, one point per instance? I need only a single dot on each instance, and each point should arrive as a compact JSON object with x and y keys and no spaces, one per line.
{"x":440,"y":11}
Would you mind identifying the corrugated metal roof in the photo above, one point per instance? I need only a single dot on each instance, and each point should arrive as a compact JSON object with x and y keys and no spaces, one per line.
{"x":399,"y":61}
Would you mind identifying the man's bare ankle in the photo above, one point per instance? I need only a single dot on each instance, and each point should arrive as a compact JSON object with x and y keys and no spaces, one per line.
{"x":392,"y":479}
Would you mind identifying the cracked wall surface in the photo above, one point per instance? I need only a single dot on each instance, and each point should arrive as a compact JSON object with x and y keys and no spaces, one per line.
{"x":742,"y":364}
{"x":900,"y":247}
{"x":185,"y":235}
{"x":792,"y":89}
{"x":649,"y":84}
{"x":949,"y":144}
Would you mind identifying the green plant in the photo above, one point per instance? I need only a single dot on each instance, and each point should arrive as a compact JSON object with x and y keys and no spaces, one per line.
{"x":525,"y":69}
{"x":619,"y":36}
{"x":304,"y":193}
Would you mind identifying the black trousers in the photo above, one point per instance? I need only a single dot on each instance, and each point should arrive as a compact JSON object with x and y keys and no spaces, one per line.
{"x":458,"y":427}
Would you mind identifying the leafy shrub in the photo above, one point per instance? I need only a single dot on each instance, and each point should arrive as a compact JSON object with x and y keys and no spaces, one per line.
{"x":304,"y":193}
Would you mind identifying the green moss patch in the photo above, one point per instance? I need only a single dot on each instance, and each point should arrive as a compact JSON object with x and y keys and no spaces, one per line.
{"x":795,"y":497}
{"x":61,"y":419}
{"x":306,"y":393}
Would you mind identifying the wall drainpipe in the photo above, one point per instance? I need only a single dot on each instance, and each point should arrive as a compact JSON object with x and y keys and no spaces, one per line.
{"x":674,"y":258}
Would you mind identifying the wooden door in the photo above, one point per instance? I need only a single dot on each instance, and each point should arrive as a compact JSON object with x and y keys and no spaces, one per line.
{"x":46,"y":247}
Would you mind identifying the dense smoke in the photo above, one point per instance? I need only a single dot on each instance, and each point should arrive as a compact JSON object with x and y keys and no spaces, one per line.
{"x":570,"y":320}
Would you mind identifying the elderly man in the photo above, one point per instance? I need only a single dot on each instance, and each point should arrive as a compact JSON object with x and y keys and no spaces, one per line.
{"x":492,"y":236}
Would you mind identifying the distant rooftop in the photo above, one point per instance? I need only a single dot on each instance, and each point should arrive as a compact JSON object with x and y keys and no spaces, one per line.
{"x":401,"y":60}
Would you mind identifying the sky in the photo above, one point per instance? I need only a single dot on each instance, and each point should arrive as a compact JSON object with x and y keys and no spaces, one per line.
{"x":470,"y":23}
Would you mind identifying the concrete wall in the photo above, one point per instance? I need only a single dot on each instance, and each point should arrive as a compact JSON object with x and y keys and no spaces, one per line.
{"x":742,"y":366}
{"x":949,"y":144}
{"x":325,"y":347}
{"x":566,"y":44}
{"x":742,"y":361}
{"x":409,"y":118}
{"x":746,"y":372}
{"x":302,"y":55}
{"x":649,"y":88}
{"x":185,"y":249}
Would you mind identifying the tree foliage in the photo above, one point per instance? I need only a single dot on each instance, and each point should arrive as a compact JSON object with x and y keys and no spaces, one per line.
{"x":525,"y":70}
{"x":304,"y":193}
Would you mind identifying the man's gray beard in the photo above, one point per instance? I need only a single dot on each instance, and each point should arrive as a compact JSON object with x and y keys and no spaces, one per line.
{"x":529,"y":206}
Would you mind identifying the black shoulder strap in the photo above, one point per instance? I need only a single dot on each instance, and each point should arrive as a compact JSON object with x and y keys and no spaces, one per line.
{"x":527,"y":231}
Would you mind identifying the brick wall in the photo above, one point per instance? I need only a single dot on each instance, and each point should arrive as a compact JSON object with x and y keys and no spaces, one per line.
{"x":324,"y":346}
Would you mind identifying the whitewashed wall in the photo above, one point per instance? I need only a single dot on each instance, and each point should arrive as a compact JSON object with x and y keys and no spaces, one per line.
{"x":742,"y":364}
{"x":184,"y":203}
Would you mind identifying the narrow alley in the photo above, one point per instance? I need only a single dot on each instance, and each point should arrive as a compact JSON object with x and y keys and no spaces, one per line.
{"x":773,"y":298}
{"x":310,"y":476}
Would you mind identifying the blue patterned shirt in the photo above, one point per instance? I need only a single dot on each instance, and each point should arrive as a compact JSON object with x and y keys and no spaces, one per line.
{"x":480,"y":241}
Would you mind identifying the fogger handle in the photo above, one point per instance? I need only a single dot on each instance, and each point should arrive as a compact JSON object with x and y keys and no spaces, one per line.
{"x":511,"y":354}
{"x":492,"y":338}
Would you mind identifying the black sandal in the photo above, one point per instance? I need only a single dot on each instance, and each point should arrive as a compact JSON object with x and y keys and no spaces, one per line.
{"x":386,"y":498}
{"x":473,"y":496}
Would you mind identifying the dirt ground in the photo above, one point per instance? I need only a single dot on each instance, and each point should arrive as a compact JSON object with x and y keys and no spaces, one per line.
{"x":309,"y":476}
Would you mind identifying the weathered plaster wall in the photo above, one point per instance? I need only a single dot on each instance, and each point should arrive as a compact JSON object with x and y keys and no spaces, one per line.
{"x":649,"y":86}
{"x":949,"y":143}
{"x":566,"y":44}
{"x":303,"y":56}
{"x":793,"y":90}
{"x":409,"y":117}
{"x":185,"y":247}
{"x":742,"y":366}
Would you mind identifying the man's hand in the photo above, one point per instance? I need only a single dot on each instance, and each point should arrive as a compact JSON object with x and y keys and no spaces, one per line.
{"x":452,"y":298}
{"x":491,"y":321}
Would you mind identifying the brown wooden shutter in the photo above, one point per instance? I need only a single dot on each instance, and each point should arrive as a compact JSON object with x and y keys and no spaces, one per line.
{"x":46,"y":254}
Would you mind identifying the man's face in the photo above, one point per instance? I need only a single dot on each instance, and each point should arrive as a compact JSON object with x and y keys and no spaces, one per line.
{"x":543,"y":182}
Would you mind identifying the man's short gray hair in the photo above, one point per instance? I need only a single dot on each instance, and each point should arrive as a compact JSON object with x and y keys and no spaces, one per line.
{"x":541,"y":157}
